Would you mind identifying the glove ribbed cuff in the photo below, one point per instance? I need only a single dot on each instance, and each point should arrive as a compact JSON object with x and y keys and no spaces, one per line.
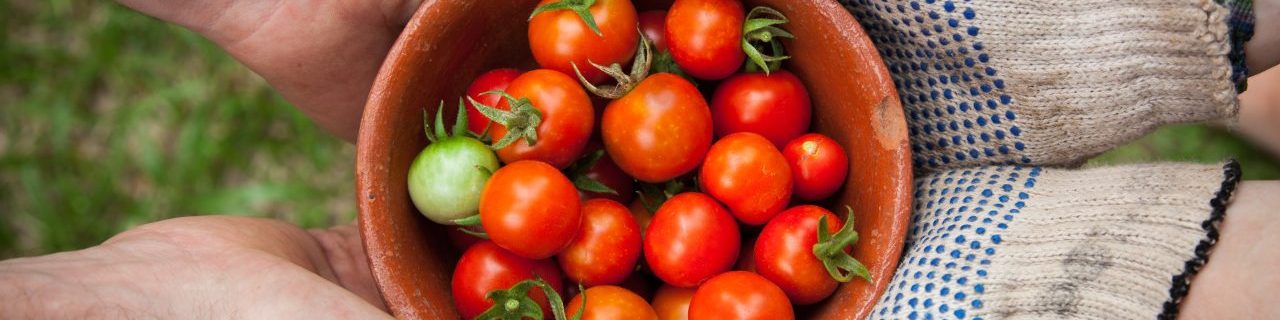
{"x":1110,"y":243}
{"x":1240,"y":21}
{"x":1133,"y":68}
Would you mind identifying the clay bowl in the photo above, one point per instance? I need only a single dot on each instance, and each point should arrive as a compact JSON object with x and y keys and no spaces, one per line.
{"x":450,"y":42}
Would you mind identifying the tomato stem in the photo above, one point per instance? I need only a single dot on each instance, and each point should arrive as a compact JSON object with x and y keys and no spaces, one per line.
{"x":521,"y":121}
{"x":437,"y":132}
{"x":762,"y":26}
{"x":514,"y":303}
{"x":639,"y":70}
{"x":830,"y":250}
{"x":581,"y":7}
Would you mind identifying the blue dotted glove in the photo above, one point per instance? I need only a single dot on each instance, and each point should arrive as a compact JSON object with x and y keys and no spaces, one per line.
{"x":1052,"y":82}
{"x":994,"y":88}
{"x":1008,"y":241}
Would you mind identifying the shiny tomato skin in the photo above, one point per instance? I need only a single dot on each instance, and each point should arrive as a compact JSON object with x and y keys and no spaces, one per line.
{"x":748,"y":174}
{"x":494,"y":80}
{"x":705,"y":37}
{"x":776,"y":106}
{"x":486,"y":267}
{"x":530,"y":209}
{"x":819,"y":166}
{"x":611,"y":303}
{"x":784,"y":254}
{"x":654,"y":25}
{"x":567,"y":118}
{"x":672,"y":303}
{"x":607,"y":246}
{"x":739,"y":295}
{"x":559,"y":38}
{"x":690,"y":239}
{"x":658,"y":131}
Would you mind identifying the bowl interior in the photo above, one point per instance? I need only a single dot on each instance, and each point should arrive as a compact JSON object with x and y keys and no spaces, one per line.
{"x":449,"y":42}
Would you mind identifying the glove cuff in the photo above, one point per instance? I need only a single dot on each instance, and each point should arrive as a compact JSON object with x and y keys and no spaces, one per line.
{"x":1240,"y":22}
{"x":1120,"y":242}
{"x":1182,"y":281}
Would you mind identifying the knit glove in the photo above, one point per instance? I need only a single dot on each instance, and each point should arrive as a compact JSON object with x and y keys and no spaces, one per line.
{"x":1053,"y":82}
{"x":1002,"y":242}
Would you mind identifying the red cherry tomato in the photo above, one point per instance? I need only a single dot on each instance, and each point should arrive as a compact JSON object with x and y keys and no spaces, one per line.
{"x":690,"y":239}
{"x":530,"y":209}
{"x":494,"y":80}
{"x":607,"y":247}
{"x":784,"y":254}
{"x":705,"y":37}
{"x":567,"y":118}
{"x":749,"y":175}
{"x":561,"y":37}
{"x":739,"y":295}
{"x":485,"y":267}
{"x":610,"y":303}
{"x":658,"y":131}
{"x":672,"y":303}
{"x":775,"y":106}
{"x":818,"y":164}
{"x":654,"y":25}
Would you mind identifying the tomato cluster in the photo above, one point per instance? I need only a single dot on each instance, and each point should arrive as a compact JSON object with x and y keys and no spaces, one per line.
{"x":663,"y":184}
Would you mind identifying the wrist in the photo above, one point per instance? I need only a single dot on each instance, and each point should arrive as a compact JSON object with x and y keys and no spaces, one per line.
{"x":1262,"y":51}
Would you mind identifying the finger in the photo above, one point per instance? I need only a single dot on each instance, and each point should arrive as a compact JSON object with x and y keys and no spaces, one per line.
{"x":398,"y":12}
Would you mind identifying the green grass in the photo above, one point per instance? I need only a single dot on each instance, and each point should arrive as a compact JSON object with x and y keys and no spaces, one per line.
{"x":110,"y":119}
{"x":1195,"y":143}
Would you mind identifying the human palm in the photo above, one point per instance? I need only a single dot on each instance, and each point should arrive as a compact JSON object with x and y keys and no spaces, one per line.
{"x":201,"y":267}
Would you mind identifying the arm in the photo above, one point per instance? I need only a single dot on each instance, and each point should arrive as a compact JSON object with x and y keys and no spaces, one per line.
{"x":320,"y":56}
{"x":1239,"y":280}
{"x":1263,"y":51}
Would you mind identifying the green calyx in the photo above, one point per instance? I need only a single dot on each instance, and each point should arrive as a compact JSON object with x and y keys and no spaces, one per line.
{"x":521,"y":121}
{"x":515,"y":304}
{"x":626,"y":82}
{"x":830,"y":250}
{"x":437,"y":132}
{"x":761,"y":30}
{"x":472,"y":221}
{"x":577,"y":6}
{"x":578,"y":173}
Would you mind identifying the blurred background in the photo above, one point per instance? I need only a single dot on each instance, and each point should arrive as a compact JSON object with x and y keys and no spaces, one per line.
{"x":110,"y":119}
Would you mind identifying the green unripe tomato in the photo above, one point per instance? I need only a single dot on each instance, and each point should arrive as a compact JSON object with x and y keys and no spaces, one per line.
{"x":445,"y":180}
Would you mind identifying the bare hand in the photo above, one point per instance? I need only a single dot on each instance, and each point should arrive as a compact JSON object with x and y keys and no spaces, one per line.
{"x":321,"y":55}
{"x":198,"y":268}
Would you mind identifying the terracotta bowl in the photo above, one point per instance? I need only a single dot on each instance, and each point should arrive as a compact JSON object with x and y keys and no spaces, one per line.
{"x":449,"y":42}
